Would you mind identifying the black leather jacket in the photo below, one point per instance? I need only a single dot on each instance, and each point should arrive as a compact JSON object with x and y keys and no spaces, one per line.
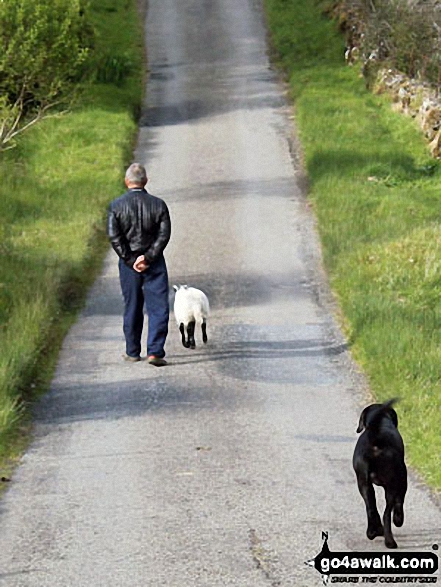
{"x":138,"y":224}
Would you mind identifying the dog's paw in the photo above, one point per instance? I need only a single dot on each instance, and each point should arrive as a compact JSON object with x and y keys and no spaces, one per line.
{"x":375,"y":531}
{"x":390,"y":543}
{"x":398,"y":516}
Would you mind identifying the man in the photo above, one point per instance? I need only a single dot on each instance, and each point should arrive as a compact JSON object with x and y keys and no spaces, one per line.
{"x":139,"y":230}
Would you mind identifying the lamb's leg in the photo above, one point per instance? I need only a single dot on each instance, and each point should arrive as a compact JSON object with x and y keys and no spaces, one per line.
{"x":182,"y":330}
{"x":190,"y":333}
{"x":204,"y":331}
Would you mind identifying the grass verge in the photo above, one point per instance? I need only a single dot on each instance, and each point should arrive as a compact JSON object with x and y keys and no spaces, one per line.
{"x":376,"y":193}
{"x":53,"y":195}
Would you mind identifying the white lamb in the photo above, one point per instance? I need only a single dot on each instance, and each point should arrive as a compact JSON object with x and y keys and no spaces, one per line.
{"x":191,"y":306}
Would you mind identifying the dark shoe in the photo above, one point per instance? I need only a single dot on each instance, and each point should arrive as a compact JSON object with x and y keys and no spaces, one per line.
{"x":130,"y":359}
{"x":157,"y":361}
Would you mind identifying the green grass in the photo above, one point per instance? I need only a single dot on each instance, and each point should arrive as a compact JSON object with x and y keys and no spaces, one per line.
{"x":53,"y":196}
{"x":376,"y":193}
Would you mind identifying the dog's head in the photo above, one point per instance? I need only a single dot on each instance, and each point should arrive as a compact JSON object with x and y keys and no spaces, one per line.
{"x":385,"y":410}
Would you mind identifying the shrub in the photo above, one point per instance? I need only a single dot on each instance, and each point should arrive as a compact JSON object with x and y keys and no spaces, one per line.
{"x":44,"y":49}
{"x":114,"y":68}
{"x":404,"y":33}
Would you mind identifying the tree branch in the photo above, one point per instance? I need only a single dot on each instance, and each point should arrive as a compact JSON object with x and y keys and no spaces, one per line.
{"x":10,"y":127}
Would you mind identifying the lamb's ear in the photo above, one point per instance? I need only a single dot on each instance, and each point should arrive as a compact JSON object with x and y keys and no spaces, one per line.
{"x":176,"y":287}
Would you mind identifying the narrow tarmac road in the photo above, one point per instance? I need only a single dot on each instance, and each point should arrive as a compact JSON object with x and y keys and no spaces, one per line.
{"x":225,"y":467}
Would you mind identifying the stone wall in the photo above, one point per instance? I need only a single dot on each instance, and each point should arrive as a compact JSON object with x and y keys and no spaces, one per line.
{"x":416,"y":99}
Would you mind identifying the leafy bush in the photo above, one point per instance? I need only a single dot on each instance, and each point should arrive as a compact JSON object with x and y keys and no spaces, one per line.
{"x":404,"y":33}
{"x":114,"y":68}
{"x":44,"y":49}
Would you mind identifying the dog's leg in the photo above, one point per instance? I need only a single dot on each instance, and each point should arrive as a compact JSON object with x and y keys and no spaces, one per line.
{"x":190,"y":332}
{"x":204,"y":331}
{"x":400,"y":494}
{"x":375,"y":527}
{"x":398,"y":515}
{"x":182,"y":331}
{"x":388,"y":538}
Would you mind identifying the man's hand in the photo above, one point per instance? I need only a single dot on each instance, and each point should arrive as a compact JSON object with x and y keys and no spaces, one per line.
{"x":140,"y":264}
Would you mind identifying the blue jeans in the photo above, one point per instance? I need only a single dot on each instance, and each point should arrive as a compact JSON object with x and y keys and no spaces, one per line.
{"x":149,"y":288}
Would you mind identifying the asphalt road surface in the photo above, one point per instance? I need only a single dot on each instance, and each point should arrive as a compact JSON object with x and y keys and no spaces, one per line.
{"x":225,"y":467}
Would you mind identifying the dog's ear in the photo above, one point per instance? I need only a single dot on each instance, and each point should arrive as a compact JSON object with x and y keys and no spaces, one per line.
{"x":360,"y":426}
{"x":364,"y":416}
{"x":362,"y":421}
{"x":176,"y":287}
{"x":393,"y":416}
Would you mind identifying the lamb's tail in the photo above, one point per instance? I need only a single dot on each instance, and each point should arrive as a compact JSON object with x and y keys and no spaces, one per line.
{"x":202,"y":310}
{"x":373,"y":419}
{"x":199,"y":315}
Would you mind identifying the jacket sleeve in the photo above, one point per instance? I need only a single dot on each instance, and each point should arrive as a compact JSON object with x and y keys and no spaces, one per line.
{"x":118,"y":240}
{"x":162,"y":236}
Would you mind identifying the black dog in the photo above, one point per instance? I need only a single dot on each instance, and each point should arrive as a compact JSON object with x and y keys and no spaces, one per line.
{"x":379,"y":459}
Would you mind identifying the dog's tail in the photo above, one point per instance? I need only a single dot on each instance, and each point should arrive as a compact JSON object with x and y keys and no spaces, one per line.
{"x":373,"y":419}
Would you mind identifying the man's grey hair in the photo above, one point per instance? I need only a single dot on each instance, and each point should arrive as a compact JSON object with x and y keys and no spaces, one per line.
{"x":136,"y":174}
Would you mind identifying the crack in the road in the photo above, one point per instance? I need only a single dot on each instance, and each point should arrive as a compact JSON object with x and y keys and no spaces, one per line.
{"x":264,"y":559}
